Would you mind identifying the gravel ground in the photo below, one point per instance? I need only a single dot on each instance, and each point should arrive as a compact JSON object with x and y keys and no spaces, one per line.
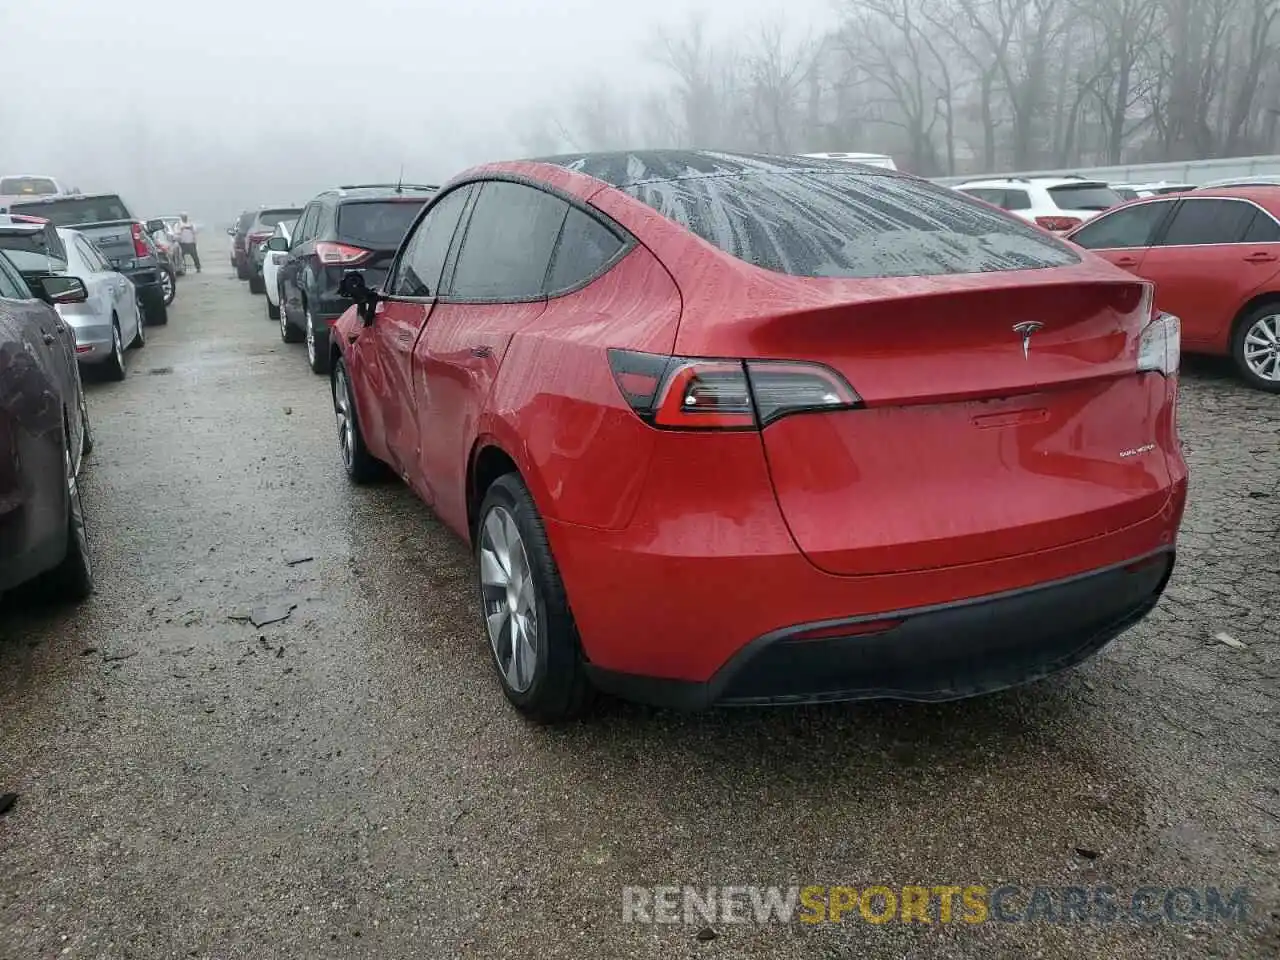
{"x":349,"y":782}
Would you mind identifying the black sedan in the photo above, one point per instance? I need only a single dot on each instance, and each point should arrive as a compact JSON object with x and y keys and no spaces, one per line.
{"x":44,"y":435}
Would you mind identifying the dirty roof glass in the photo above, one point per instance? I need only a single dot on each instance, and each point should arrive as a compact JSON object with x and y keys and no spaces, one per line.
{"x":819,"y":224}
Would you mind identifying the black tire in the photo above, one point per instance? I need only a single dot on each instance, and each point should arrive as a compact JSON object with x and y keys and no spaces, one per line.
{"x":558,"y":688}
{"x":255,"y":283}
{"x":273,"y":311}
{"x":1268,"y":315}
{"x":86,"y":446}
{"x":317,"y":346}
{"x":155,"y":310}
{"x":140,"y":338}
{"x":72,"y":579}
{"x":242,"y":272}
{"x":168,"y":290}
{"x":114,"y":368}
{"x":288,"y":332}
{"x":361,"y":465}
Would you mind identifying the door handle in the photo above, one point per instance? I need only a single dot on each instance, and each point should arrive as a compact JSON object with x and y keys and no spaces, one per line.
{"x":1126,"y":261}
{"x":1260,"y":257}
{"x":48,"y":337}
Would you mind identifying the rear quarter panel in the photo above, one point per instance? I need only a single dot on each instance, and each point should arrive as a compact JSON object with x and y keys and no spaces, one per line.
{"x":555,"y":408}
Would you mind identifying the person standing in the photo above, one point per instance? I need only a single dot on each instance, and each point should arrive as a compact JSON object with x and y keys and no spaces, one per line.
{"x":187,"y":240}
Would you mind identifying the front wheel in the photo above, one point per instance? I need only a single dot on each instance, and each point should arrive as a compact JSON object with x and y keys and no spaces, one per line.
{"x":1255,"y":347}
{"x":532,"y":637}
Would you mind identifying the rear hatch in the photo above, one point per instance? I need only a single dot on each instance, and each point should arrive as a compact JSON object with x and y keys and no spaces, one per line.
{"x":105,"y":220}
{"x":1084,"y":200}
{"x":976,"y":441}
{"x":372,"y":230}
{"x":1001,"y":411}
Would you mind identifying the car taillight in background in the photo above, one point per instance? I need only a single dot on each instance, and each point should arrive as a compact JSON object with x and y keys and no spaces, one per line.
{"x":140,"y":248}
{"x":693,"y":394}
{"x":1160,"y":345}
{"x":256,"y":238}
{"x":1058,"y":224}
{"x":341,"y":253}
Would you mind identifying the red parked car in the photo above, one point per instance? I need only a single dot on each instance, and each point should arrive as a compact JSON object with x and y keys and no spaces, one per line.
{"x":728,"y":429}
{"x":1214,"y":256}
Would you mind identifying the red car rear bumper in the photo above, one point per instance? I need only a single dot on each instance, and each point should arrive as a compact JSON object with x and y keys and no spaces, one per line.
{"x":703,"y":605}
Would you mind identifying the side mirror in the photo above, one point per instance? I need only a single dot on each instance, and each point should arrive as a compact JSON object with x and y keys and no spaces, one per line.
{"x":62,"y":289}
{"x":278,"y":244}
{"x":353,"y":287}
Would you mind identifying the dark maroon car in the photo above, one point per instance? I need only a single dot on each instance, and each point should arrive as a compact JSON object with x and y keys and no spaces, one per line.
{"x":44,"y":435}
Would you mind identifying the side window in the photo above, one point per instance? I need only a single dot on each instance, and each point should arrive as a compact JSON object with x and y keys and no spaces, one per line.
{"x":1130,"y":227}
{"x":12,"y":286}
{"x":417,"y":273}
{"x":986,"y":194}
{"x":1263,"y":229}
{"x":508,"y":244}
{"x":323,"y":227}
{"x":303,"y":233}
{"x":91,"y":255}
{"x":1016,"y":200}
{"x":1208,"y":221}
{"x":54,"y":244}
{"x":585,"y":246}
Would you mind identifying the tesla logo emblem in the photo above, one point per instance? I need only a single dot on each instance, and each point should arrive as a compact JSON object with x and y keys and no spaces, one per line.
{"x":1025,"y":330}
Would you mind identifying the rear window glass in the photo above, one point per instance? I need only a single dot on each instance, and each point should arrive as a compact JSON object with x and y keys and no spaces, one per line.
{"x":34,"y":186}
{"x":1085,"y":196}
{"x":31,"y":252}
{"x":269,"y":218}
{"x":851,"y":225}
{"x":379,"y":224}
{"x":77,"y":210}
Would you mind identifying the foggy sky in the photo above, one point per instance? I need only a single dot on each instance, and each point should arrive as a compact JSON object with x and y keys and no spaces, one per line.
{"x":212,"y":106}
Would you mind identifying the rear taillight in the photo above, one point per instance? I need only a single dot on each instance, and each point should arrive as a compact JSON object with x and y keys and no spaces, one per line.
{"x":1058,"y":224}
{"x":341,"y":253}
{"x":140,"y":248}
{"x":709,"y":394}
{"x":1160,"y":345}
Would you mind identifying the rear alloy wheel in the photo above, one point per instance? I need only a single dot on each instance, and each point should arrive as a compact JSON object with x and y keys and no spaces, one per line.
{"x":317,"y":352}
{"x":168,"y":285}
{"x":288,"y":332}
{"x":1256,"y":348}
{"x":532,"y":636}
{"x":361,"y":465}
{"x":115,"y":366}
{"x":72,"y":579}
{"x":140,"y":338}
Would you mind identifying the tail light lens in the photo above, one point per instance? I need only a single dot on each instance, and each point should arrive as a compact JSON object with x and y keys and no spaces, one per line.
{"x":1160,"y":345}
{"x":341,"y":253}
{"x":140,"y":248}
{"x":701,"y":394}
{"x":1058,"y":224}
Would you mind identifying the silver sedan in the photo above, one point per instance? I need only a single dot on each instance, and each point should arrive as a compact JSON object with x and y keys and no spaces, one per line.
{"x":110,"y":318}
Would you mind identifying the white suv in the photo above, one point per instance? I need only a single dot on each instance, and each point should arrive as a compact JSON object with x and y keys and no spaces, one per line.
{"x":1057,"y":204}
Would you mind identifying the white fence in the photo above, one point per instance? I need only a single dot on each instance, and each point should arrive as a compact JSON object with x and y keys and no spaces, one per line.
{"x":1182,"y":171}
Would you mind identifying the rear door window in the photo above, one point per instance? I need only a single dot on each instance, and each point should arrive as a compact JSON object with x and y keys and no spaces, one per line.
{"x":1207,"y":222}
{"x":585,"y":246}
{"x":507,"y":248}
{"x":851,"y":225}
{"x":1263,"y":229}
{"x":1131,"y":227}
{"x":1016,"y":200}
{"x":417,"y":272}
{"x":1084,"y":196}
{"x":377,"y":224}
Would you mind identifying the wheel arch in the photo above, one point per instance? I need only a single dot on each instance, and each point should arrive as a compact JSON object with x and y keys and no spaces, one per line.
{"x":494,"y":454}
{"x":1250,"y":305}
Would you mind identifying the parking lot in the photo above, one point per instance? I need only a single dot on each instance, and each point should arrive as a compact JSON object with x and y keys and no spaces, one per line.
{"x":349,"y":781}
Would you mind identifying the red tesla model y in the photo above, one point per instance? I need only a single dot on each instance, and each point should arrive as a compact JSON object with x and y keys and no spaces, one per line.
{"x":742,"y":429}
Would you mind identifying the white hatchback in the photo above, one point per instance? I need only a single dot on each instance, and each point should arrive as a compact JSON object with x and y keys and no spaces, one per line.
{"x":277,"y":250}
{"x":1057,"y":204}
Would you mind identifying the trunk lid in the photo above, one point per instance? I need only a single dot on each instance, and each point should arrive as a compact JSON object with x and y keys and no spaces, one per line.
{"x":114,"y":239}
{"x":1000,"y":419}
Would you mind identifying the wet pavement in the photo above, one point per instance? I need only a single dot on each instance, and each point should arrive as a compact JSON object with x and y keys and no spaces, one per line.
{"x":349,"y":782}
